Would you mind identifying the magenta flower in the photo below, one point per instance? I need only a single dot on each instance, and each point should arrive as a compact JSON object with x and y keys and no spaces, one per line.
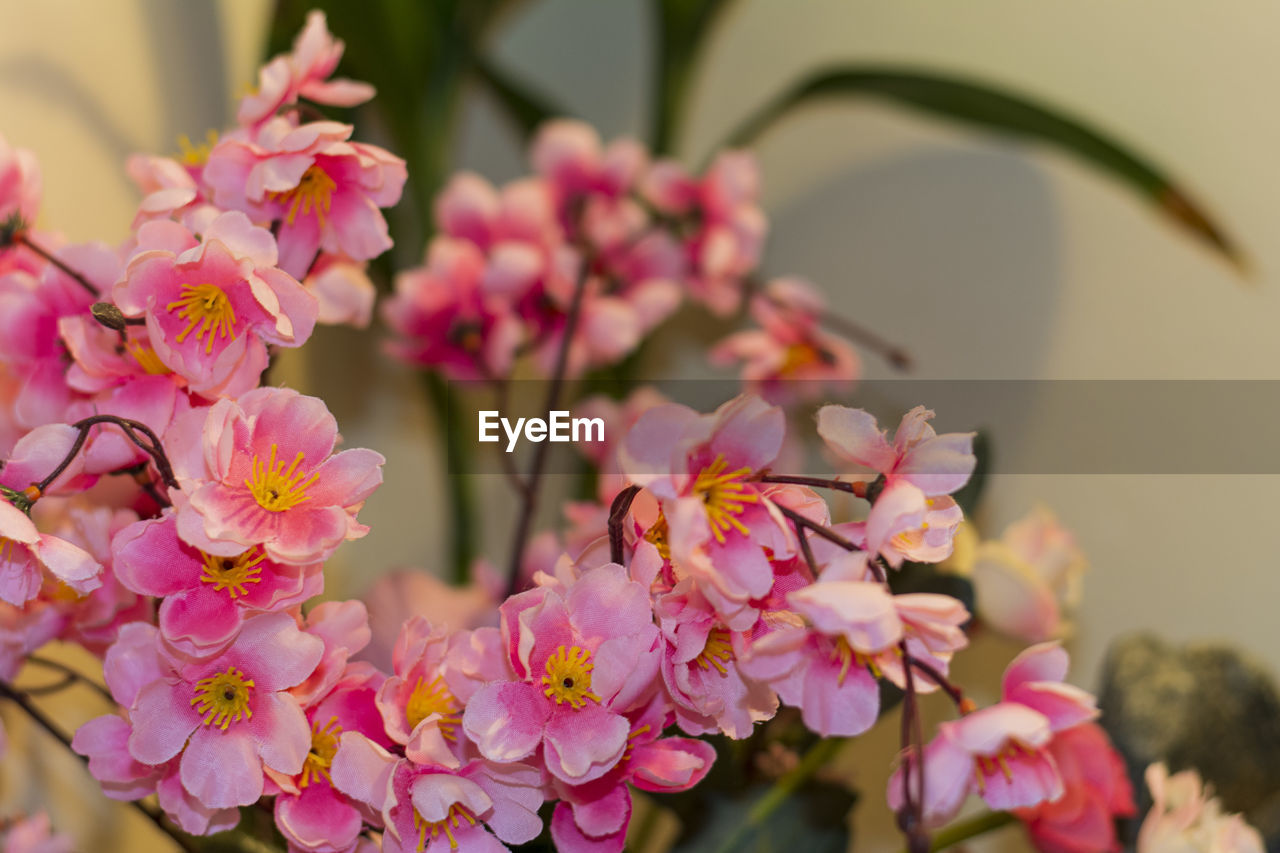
{"x":581,"y":660}
{"x":232,"y":712}
{"x":593,"y":818}
{"x":20,"y":182}
{"x":999,"y":752}
{"x":213,"y":306}
{"x":205,"y":598}
{"x":430,"y":809}
{"x":261,"y":471}
{"x":321,"y":189}
{"x":912,"y":518}
{"x":304,"y":73}
{"x":35,"y":834}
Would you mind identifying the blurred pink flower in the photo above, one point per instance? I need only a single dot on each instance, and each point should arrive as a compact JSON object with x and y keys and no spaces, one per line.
{"x":1186,"y":818}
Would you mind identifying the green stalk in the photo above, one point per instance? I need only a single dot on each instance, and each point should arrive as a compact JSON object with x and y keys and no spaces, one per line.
{"x":971,"y":828}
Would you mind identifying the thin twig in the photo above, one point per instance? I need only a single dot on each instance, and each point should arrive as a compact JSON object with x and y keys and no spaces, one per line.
{"x":822,"y":530}
{"x":22,"y":239}
{"x":71,"y":673}
{"x":929,"y":672}
{"x":857,"y":489}
{"x":151,"y":446}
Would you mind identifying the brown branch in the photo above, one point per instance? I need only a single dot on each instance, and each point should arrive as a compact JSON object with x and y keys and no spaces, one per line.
{"x":617,"y":515}
{"x":23,"y":239}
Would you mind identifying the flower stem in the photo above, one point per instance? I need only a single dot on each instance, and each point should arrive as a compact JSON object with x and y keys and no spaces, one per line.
{"x":73,"y":674}
{"x":810,"y":763}
{"x":22,"y":239}
{"x":971,"y":828}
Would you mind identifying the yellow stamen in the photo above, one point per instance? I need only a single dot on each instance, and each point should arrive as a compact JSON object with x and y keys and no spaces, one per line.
{"x":147,"y":358}
{"x":324,"y":746}
{"x":433,"y":698}
{"x":568,"y":677}
{"x":196,"y":155}
{"x":276,"y":489}
{"x":313,"y":192}
{"x":206,"y":306}
{"x":717,"y":652}
{"x":453,"y":820}
{"x":724,"y":497}
{"x":844,"y":653}
{"x":233,"y":574}
{"x":223,"y":698}
{"x":802,"y":355}
{"x":657,"y":537}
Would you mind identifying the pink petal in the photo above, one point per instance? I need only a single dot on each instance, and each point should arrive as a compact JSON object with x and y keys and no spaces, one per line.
{"x":163,"y":719}
{"x":506,"y":719}
{"x":854,"y":435}
{"x":222,"y":769}
{"x":585,"y":744}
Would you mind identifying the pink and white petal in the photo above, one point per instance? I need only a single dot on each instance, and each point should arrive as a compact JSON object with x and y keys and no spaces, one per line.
{"x":222,"y":769}
{"x":162,"y":719}
{"x":839,"y":707}
{"x":280,"y":732}
{"x":348,"y":478}
{"x":199,"y":622}
{"x":435,"y":794}
{"x":606,"y":815}
{"x":671,"y":763}
{"x":317,"y":818}
{"x":506,"y":720}
{"x":69,"y":563}
{"x":939,"y":465}
{"x":568,"y":838}
{"x":585,"y":744}
{"x":854,"y":435}
{"x":362,"y":770}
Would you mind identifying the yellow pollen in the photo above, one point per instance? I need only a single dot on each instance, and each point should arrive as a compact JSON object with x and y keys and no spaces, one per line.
{"x":986,"y":765}
{"x":722,"y":494}
{"x":324,"y":746}
{"x":196,"y":155}
{"x":657,"y":537}
{"x":568,"y":677}
{"x":631,"y":743}
{"x":147,"y":358}
{"x":457,"y":814}
{"x":223,"y":698}
{"x":433,"y":698}
{"x":8,"y":549}
{"x":313,"y":192}
{"x":276,"y":489}
{"x":844,"y":653}
{"x":717,"y":652}
{"x":206,"y":306}
{"x":233,"y":574}
{"x":801,"y":355}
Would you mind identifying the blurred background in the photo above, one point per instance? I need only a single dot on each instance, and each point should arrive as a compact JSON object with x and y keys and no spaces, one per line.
{"x":985,"y":257}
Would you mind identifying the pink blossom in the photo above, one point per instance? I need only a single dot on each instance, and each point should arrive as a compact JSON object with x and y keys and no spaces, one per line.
{"x":25,"y":552}
{"x":912,"y":518}
{"x":1096,"y":792}
{"x":34,"y":834}
{"x":400,"y":595}
{"x":789,"y":358}
{"x":232,"y":712}
{"x":261,"y":471}
{"x":213,"y":306}
{"x":304,"y":73}
{"x":343,"y":291}
{"x":570,"y":155}
{"x":593,"y":818}
{"x":1186,"y":818}
{"x":322,"y":190}
{"x":581,"y":660}
{"x":205,"y":598}
{"x":1027,"y":581}
{"x":343,"y":627}
{"x":20,"y":183}
{"x":432,"y":809}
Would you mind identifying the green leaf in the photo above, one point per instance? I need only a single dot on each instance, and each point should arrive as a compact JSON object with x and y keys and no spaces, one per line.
{"x":993,"y":108}
{"x":683,"y":27}
{"x":813,"y":820}
{"x":527,"y":107}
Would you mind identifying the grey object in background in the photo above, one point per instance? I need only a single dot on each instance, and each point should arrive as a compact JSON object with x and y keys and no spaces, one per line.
{"x":1199,"y":706}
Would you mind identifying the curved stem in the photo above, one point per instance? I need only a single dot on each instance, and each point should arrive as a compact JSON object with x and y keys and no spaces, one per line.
{"x":971,"y":828}
{"x":154,"y":815}
{"x":857,"y":488}
{"x":71,"y":673}
{"x":22,"y":239}
{"x":151,"y":446}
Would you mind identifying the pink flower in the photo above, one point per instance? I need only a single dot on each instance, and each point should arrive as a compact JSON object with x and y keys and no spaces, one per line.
{"x":205,"y":598}
{"x":581,"y":660}
{"x":25,"y":552}
{"x":398,"y":596}
{"x":789,"y":358}
{"x":717,"y":521}
{"x":20,"y":183}
{"x":213,"y":306}
{"x":310,"y":812}
{"x":1027,"y":580}
{"x":912,"y":518}
{"x":343,"y":291}
{"x":999,"y":752}
{"x":432,"y":809}
{"x":1096,"y":791}
{"x":261,"y":471}
{"x":35,"y":835}
{"x":322,"y":190}
{"x":570,"y":155}
{"x":593,"y":818}
{"x":1185,"y":818}
{"x":304,"y":73}
{"x":231,"y":712}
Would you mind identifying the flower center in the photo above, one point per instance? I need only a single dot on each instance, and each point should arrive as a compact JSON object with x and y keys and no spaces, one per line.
{"x":196,"y":155}
{"x":457,"y":814}
{"x":723,"y":496}
{"x":568,"y":677}
{"x":433,"y":698}
{"x":233,"y":574}
{"x":987,"y":765}
{"x":844,"y":653}
{"x":206,"y":306}
{"x":276,"y":489}
{"x":223,"y":698}
{"x":657,"y":537}
{"x":324,"y":746}
{"x":313,"y":192}
{"x":147,"y":358}
{"x":717,"y":652}
{"x":802,"y":355}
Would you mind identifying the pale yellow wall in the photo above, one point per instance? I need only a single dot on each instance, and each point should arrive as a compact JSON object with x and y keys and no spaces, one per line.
{"x":1066,"y":276}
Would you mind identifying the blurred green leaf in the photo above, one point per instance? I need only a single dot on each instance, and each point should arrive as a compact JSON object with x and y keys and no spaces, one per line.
{"x":813,"y":820}
{"x":683,"y":27}
{"x":993,"y":108}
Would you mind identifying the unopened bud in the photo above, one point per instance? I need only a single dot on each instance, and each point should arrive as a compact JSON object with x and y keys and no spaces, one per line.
{"x":108,"y":315}
{"x":10,"y":229}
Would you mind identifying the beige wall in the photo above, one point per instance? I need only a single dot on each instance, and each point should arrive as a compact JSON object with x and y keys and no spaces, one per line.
{"x":989,"y":260}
